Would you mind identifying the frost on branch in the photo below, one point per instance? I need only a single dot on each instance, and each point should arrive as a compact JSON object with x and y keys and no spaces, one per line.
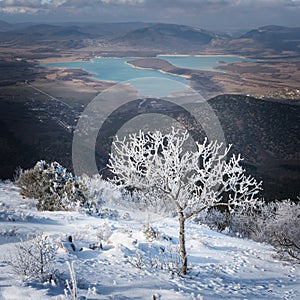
{"x":192,"y":181}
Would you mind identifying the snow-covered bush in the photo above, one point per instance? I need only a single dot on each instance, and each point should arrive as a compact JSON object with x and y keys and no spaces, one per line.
{"x":17,"y":173}
{"x":282,"y":230}
{"x":103,"y":193}
{"x":108,"y":213}
{"x":94,"y":190}
{"x":276,"y":223}
{"x":100,"y":194}
{"x":34,"y":259}
{"x":214,"y":218}
{"x":104,"y":232}
{"x":248,"y":223}
{"x":53,"y":186}
{"x":150,"y":233}
{"x":157,"y":257}
{"x":8,"y":231}
{"x":7,"y":213}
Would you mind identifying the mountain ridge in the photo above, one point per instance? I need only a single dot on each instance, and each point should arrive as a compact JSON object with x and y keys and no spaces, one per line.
{"x":161,"y":37}
{"x":168,"y":36}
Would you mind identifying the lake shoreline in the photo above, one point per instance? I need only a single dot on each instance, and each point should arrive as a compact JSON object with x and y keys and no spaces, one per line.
{"x":112,"y":69}
{"x":242,"y":77}
{"x":162,"y":69}
{"x":112,"y":75}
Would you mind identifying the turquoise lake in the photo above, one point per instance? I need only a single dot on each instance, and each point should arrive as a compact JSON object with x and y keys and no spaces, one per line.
{"x":116,"y":69}
{"x":201,"y":62}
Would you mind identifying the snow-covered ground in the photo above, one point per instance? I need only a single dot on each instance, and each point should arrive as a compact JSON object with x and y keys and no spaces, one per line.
{"x":129,"y":266}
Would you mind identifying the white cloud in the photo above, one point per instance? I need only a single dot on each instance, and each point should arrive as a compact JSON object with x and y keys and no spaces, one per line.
{"x":178,"y":4}
{"x":123,"y":2}
{"x":18,"y":10}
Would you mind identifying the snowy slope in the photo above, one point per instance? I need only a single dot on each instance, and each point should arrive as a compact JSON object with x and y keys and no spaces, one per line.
{"x":129,"y":266}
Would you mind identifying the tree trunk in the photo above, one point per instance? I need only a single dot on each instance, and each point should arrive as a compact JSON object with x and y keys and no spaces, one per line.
{"x":41,"y":261}
{"x":181,"y":220}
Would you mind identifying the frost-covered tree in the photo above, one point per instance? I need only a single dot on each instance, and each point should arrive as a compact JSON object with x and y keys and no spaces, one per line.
{"x":192,"y":180}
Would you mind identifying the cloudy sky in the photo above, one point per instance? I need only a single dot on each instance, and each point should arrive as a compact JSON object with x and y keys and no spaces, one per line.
{"x":210,"y":14}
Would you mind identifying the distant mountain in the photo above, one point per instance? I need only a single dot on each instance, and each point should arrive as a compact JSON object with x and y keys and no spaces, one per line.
{"x":111,"y":30}
{"x":261,"y":42}
{"x":264,"y":41}
{"x":46,"y":35}
{"x":63,"y":36}
{"x":168,"y":36}
{"x":272,"y":32}
{"x":171,"y":37}
{"x":43,"y":31}
{"x":277,"y":38}
{"x":6,"y":26}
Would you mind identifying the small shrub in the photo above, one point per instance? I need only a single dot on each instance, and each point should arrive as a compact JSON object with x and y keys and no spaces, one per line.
{"x":53,"y":186}
{"x":215,"y":219}
{"x":137,"y":261}
{"x":248,"y":223}
{"x":157,"y":257}
{"x":150,"y":233}
{"x":17,"y":173}
{"x":8,"y":213}
{"x":108,"y":213}
{"x":34,"y":259}
{"x":104,"y":232}
{"x":283,"y":229}
{"x":276,"y":223}
{"x":8,"y":231}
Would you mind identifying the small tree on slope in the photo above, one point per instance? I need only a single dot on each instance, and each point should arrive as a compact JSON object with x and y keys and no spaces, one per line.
{"x":193,"y":181}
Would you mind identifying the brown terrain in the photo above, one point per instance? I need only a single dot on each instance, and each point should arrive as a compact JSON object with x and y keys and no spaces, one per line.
{"x":275,"y":75}
{"x":263,"y":79}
